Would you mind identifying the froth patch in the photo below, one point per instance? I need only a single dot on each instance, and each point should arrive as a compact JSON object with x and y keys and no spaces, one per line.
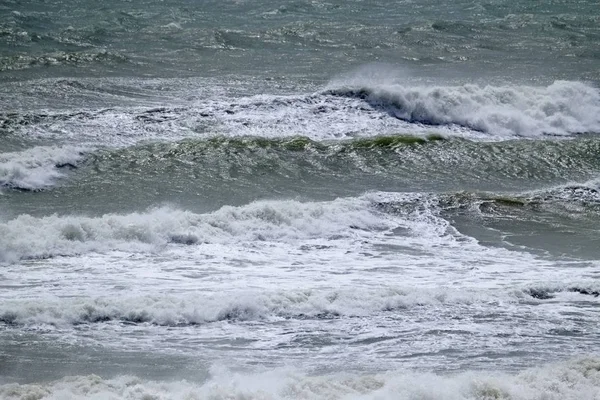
{"x":196,"y":309}
{"x":266,"y":221}
{"x":562,"y":108}
{"x":38,"y":167}
{"x":575,"y":379}
{"x":20,"y":62}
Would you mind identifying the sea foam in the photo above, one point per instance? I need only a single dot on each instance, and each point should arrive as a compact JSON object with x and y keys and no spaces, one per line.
{"x":561,"y":108}
{"x":571,"y":380}
{"x":279,"y":221}
{"x":37,"y":167}
{"x":201,"y":308}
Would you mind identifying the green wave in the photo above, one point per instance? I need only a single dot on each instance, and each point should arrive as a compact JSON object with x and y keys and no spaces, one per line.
{"x":416,"y":157}
{"x":301,"y":143}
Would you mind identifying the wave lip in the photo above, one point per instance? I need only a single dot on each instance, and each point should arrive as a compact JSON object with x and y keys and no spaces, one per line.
{"x":562,"y":108}
{"x":38,"y":167}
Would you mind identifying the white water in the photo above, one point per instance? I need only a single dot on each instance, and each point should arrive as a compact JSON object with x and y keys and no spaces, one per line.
{"x":37,"y":168}
{"x":562,"y":108}
{"x":348,"y":281}
{"x":574,"y":380}
{"x":352,"y":298}
{"x":256,"y":223}
{"x":471,"y":111}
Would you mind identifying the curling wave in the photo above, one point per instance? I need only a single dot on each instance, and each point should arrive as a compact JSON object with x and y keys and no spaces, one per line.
{"x":562,"y":108}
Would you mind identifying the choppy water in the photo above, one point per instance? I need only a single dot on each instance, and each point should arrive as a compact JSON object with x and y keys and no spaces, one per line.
{"x":299,"y":200}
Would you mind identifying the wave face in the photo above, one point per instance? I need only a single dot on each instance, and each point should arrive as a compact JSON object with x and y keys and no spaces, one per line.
{"x":401,"y":161}
{"x":562,"y":108}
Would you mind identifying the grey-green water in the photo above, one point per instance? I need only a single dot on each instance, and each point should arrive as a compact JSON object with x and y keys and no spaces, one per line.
{"x":301,"y":199}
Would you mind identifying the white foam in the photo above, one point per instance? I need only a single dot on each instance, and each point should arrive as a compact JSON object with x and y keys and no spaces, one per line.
{"x":573,"y":380}
{"x":200,"y":308}
{"x":29,"y":237}
{"x":37,"y":167}
{"x":206,"y":108}
{"x":316,"y":116}
{"x":191,"y":307}
{"x":265,"y":221}
{"x":561,"y":108}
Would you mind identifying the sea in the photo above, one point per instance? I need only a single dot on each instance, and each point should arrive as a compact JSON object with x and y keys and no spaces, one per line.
{"x":300,"y":199}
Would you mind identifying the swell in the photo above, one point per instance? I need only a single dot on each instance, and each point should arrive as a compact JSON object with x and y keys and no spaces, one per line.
{"x":394,"y":162}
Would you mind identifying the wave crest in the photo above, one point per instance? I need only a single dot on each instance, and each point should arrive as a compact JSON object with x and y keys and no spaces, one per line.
{"x":279,"y":221}
{"x":559,"y":109}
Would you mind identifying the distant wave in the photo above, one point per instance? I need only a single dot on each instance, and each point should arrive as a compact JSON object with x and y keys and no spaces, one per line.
{"x":562,"y":108}
{"x":569,"y":380}
{"x":21,"y":62}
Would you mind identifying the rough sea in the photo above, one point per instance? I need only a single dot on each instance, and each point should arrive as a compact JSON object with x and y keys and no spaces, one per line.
{"x":246,"y":199}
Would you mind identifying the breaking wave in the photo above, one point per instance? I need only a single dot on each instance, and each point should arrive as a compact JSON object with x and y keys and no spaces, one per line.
{"x":38,"y":167}
{"x":187,"y":309}
{"x":341,"y":111}
{"x":367,"y":217}
{"x":570,"y":380}
{"x":194,"y":309}
{"x":30,"y":237}
{"x":562,"y":108}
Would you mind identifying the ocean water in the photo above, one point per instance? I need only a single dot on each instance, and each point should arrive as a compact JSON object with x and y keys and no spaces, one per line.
{"x":300,"y":199}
